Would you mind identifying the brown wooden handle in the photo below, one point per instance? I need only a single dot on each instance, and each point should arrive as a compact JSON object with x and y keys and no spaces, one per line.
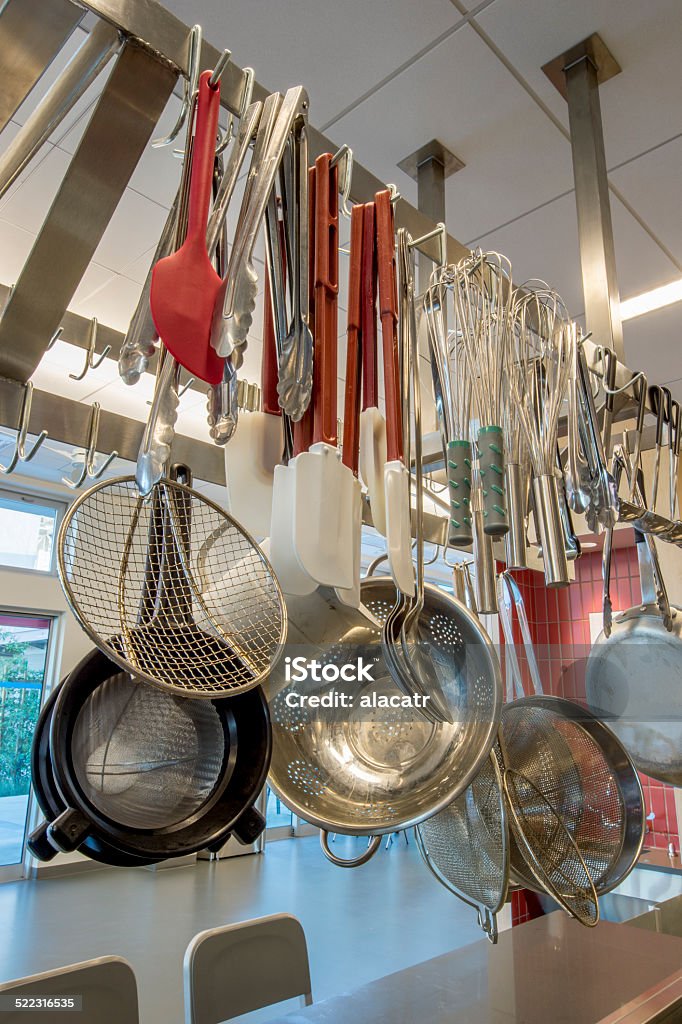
{"x":388,"y":305}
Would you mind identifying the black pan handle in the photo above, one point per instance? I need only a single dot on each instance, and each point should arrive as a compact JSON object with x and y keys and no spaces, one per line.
{"x":39,"y":844}
{"x":249,"y":826}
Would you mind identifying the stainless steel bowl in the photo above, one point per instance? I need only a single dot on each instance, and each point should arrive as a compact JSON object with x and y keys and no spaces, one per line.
{"x":369,"y":771}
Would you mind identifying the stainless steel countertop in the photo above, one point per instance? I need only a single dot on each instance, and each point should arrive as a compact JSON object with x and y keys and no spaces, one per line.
{"x":548,"y":971}
{"x":660,"y":860}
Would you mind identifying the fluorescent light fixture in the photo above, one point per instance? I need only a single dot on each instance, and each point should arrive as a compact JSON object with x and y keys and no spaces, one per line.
{"x":654,"y":299}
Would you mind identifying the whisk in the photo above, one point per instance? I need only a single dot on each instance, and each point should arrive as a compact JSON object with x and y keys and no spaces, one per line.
{"x":541,"y":352}
{"x":517,"y":482}
{"x":452,"y":391}
{"x":482,"y":292}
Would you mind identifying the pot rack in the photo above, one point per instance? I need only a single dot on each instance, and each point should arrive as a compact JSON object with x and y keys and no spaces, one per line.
{"x":152,"y":59}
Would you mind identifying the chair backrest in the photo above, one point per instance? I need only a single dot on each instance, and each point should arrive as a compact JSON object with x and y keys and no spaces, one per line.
{"x":242,"y":967}
{"x":106,"y":986}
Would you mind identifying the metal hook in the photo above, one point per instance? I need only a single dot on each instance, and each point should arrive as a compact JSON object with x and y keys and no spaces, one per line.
{"x":221,"y":64}
{"x":89,"y":472}
{"x":20,"y":454}
{"x":183,"y":389}
{"x":395,"y":192}
{"x":345,"y":154}
{"x":54,"y":339}
{"x":441,"y":233}
{"x":90,"y":362}
{"x":247,"y":95}
{"x":191,"y":84}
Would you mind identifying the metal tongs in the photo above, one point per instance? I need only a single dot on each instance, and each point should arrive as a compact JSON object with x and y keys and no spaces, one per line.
{"x":592,"y":488}
{"x":236,"y":299}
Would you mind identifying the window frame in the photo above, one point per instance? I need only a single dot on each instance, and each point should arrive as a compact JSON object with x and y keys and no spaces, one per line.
{"x":37,"y":501}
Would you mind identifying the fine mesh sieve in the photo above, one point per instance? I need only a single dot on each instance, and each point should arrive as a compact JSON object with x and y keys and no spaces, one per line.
{"x":466,"y":846}
{"x":548,"y":849}
{"x":171,"y":588}
{"x":146,"y":759}
{"x":583,"y":772}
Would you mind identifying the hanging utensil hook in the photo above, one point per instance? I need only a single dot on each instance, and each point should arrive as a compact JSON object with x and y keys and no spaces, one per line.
{"x":90,"y":362}
{"x":247,"y":95}
{"x":190,"y":87}
{"x":20,"y":454}
{"x":89,"y":471}
{"x":439,"y":232}
{"x":345,"y":153}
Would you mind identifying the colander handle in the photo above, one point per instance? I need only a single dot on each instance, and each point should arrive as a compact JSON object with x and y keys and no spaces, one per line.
{"x":355,"y":862}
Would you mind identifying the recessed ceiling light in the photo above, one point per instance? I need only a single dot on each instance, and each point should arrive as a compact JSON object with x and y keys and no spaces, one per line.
{"x":586,"y":544}
{"x":654,"y":299}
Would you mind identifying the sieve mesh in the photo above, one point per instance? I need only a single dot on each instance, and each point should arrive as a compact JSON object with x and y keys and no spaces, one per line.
{"x":466,"y":845}
{"x":548,"y":848}
{"x":171,"y":588}
{"x":574,"y":776}
{"x":146,"y":759}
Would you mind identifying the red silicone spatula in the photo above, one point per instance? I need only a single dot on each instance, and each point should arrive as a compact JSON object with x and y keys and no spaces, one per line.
{"x":185,"y":285}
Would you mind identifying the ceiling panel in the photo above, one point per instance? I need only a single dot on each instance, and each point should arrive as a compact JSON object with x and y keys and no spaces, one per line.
{"x":15,"y":245}
{"x":652,"y":344}
{"x":337,"y":53}
{"x":30,"y":200}
{"x":135,"y":226}
{"x":640,"y":107}
{"x":460,"y":94}
{"x":113,"y":303}
{"x":652,"y":184}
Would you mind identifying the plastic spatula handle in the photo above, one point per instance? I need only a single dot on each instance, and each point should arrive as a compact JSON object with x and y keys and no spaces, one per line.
{"x":303,"y":429}
{"x":326,"y":299}
{"x":351,"y":413}
{"x":185,"y":285}
{"x":388,"y":307}
{"x":368,"y":327}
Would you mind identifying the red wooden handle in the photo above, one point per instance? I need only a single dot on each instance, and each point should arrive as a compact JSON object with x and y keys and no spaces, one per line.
{"x":303,"y":430}
{"x":351,"y":412}
{"x":388,"y":304}
{"x":368,"y":315}
{"x":203,"y":154}
{"x":326,"y":297}
{"x":269,"y":368}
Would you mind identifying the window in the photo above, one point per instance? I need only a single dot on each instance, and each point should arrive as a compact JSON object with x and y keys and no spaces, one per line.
{"x":23,"y":654}
{"x":28,"y":527}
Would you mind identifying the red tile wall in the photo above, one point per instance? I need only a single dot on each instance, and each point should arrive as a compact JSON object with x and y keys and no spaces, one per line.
{"x":560,"y":628}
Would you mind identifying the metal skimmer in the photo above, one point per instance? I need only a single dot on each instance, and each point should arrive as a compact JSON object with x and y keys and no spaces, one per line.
{"x":171,"y":587}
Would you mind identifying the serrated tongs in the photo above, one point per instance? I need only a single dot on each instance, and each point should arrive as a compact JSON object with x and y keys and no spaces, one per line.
{"x":603,"y":508}
{"x":236,"y":299}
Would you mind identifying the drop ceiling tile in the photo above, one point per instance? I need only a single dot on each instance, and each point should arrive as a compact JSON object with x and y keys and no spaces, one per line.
{"x":640,"y":262}
{"x":55,"y":379}
{"x":135,"y":227}
{"x":9,"y":133}
{"x":30,"y":202}
{"x":460,"y":94}
{"x":115,"y":396}
{"x":652,"y":344}
{"x":138,"y":269}
{"x":337,"y":54}
{"x":157,"y":175}
{"x":640,"y":107}
{"x":70,"y":132}
{"x":15,"y":245}
{"x":651,"y":185}
{"x":113,"y":303}
{"x":67,"y":359}
{"x":94,"y":278}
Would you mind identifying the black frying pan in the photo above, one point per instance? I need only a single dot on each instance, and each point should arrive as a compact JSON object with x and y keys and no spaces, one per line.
{"x":129,"y":775}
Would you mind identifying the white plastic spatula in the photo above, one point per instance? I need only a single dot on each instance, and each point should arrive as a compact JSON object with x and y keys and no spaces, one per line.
{"x":255,"y":450}
{"x":372,"y":423}
{"x":351,"y":412}
{"x":396,"y":476}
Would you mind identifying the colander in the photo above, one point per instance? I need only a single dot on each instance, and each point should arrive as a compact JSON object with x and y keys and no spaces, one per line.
{"x":372,"y":770}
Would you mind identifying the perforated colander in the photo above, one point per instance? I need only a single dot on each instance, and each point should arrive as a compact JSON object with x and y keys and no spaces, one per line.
{"x":171,"y":588}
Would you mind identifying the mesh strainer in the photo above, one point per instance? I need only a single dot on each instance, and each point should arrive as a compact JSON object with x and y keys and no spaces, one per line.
{"x":584,"y":774}
{"x":466,"y":846}
{"x":171,"y":588}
